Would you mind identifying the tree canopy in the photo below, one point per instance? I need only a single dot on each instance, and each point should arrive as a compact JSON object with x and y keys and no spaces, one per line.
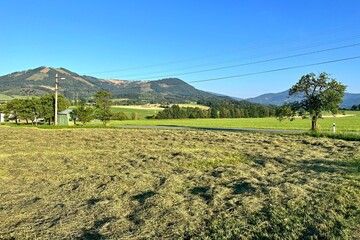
{"x":83,"y":112}
{"x":319,"y":93}
{"x":32,"y":108}
{"x":103,"y":106}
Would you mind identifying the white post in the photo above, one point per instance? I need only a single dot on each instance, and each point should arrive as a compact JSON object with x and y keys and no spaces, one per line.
{"x":334,"y":128}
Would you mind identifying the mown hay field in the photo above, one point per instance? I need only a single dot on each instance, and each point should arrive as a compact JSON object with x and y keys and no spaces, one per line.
{"x":162,"y":184}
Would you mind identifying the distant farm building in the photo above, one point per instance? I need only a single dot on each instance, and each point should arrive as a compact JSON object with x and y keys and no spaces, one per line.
{"x":66,"y":118}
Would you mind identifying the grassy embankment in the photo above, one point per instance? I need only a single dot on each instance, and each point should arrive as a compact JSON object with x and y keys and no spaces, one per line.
{"x":157,"y":184}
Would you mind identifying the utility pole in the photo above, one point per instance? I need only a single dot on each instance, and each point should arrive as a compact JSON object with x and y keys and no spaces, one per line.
{"x":56,"y":98}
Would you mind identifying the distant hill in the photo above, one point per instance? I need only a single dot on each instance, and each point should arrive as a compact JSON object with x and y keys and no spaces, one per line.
{"x":40,"y":81}
{"x":282,"y":97}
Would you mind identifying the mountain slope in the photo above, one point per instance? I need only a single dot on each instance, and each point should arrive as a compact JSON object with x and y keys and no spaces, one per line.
{"x":280,"y":98}
{"x":40,"y":81}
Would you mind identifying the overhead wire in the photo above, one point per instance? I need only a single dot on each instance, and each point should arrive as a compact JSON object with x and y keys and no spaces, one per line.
{"x":327,"y":32}
{"x":249,"y":63}
{"x":250,"y":74}
{"x":258,"y":72}
{"x":277,"y":70}
{"x":250,"y":57}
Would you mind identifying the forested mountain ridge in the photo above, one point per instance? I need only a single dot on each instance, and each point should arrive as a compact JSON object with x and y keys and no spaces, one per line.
{"x":41,"y":80}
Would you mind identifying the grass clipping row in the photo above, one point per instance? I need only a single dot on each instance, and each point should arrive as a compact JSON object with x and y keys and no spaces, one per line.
{"x":151,"y":184}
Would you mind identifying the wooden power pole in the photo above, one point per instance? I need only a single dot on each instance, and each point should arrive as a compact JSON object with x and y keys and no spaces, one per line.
{"x":56,"y":98}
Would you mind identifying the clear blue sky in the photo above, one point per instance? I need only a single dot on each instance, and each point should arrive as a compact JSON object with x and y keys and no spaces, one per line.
{"x":153,"y":39}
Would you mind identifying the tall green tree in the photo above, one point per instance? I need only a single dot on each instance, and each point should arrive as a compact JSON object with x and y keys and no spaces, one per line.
{"x":28,"y":109}
{"x":13,"y":109}
{"x":46,"y":107}
{"x":103,"y":106}
{"x":320,"y":93}
{"x":83,"y":112}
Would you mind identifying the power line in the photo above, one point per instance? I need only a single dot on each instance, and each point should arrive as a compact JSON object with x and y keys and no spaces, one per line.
{"x":342,"y":29}
{"x":252,"y":63}
{"x":251,"y":57}
{"x":263,"y":72}
{"x":276,"y":70}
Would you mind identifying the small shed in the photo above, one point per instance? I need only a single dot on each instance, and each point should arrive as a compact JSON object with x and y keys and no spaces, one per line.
{"x":66,"y":118}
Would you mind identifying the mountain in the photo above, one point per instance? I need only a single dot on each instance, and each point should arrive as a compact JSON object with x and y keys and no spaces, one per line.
{"x":41,"y":80}
{"x":280,"y":98}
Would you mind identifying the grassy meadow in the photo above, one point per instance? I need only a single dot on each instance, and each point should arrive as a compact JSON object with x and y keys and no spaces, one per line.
{"x":142,"y":112}
{"x":4,"y":97}
{"x":95,"y":183}
{"x":349,"y":123}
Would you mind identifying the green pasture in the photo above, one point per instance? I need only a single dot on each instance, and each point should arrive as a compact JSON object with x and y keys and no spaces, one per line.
{"x":4,"y":97}
{"x":142,"y":113}
{"x":343,"y":124}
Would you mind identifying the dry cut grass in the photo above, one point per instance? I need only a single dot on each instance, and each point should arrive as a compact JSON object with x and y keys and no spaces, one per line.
{"x":161,"y":184}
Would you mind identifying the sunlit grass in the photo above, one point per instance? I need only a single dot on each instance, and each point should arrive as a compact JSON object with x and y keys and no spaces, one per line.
{"x":161,"y":184}
{"x":142,"y":113}
{"x":343,"y":124}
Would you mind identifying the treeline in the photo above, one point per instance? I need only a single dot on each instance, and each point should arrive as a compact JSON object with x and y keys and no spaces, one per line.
{"x":238,"y":109}
{"x":219,"y":109}
{"x":355,"y":107}
{"x":176,"y":112}
{"x":32,"y":109}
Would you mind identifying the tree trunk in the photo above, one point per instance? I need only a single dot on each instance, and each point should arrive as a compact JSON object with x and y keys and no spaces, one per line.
{"x":313,"y":123}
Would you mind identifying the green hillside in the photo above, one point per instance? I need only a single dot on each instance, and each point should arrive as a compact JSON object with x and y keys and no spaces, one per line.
{"x":41,"y":80}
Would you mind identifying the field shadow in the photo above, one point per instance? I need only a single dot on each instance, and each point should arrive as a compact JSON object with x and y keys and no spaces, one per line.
{"x":242,"y":188}
{"x":91,"y":234}
{"x":202,"y":191}
{"x":328,"y":166}
{"x":92,"y":201}
{"x":231,"y":129}
{"x":141,"y":198}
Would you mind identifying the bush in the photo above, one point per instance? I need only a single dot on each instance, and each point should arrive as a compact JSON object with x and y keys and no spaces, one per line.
{"x":119,"y":116}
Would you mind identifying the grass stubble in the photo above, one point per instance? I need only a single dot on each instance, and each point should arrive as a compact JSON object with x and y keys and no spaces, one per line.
{"x":143,"y":184}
